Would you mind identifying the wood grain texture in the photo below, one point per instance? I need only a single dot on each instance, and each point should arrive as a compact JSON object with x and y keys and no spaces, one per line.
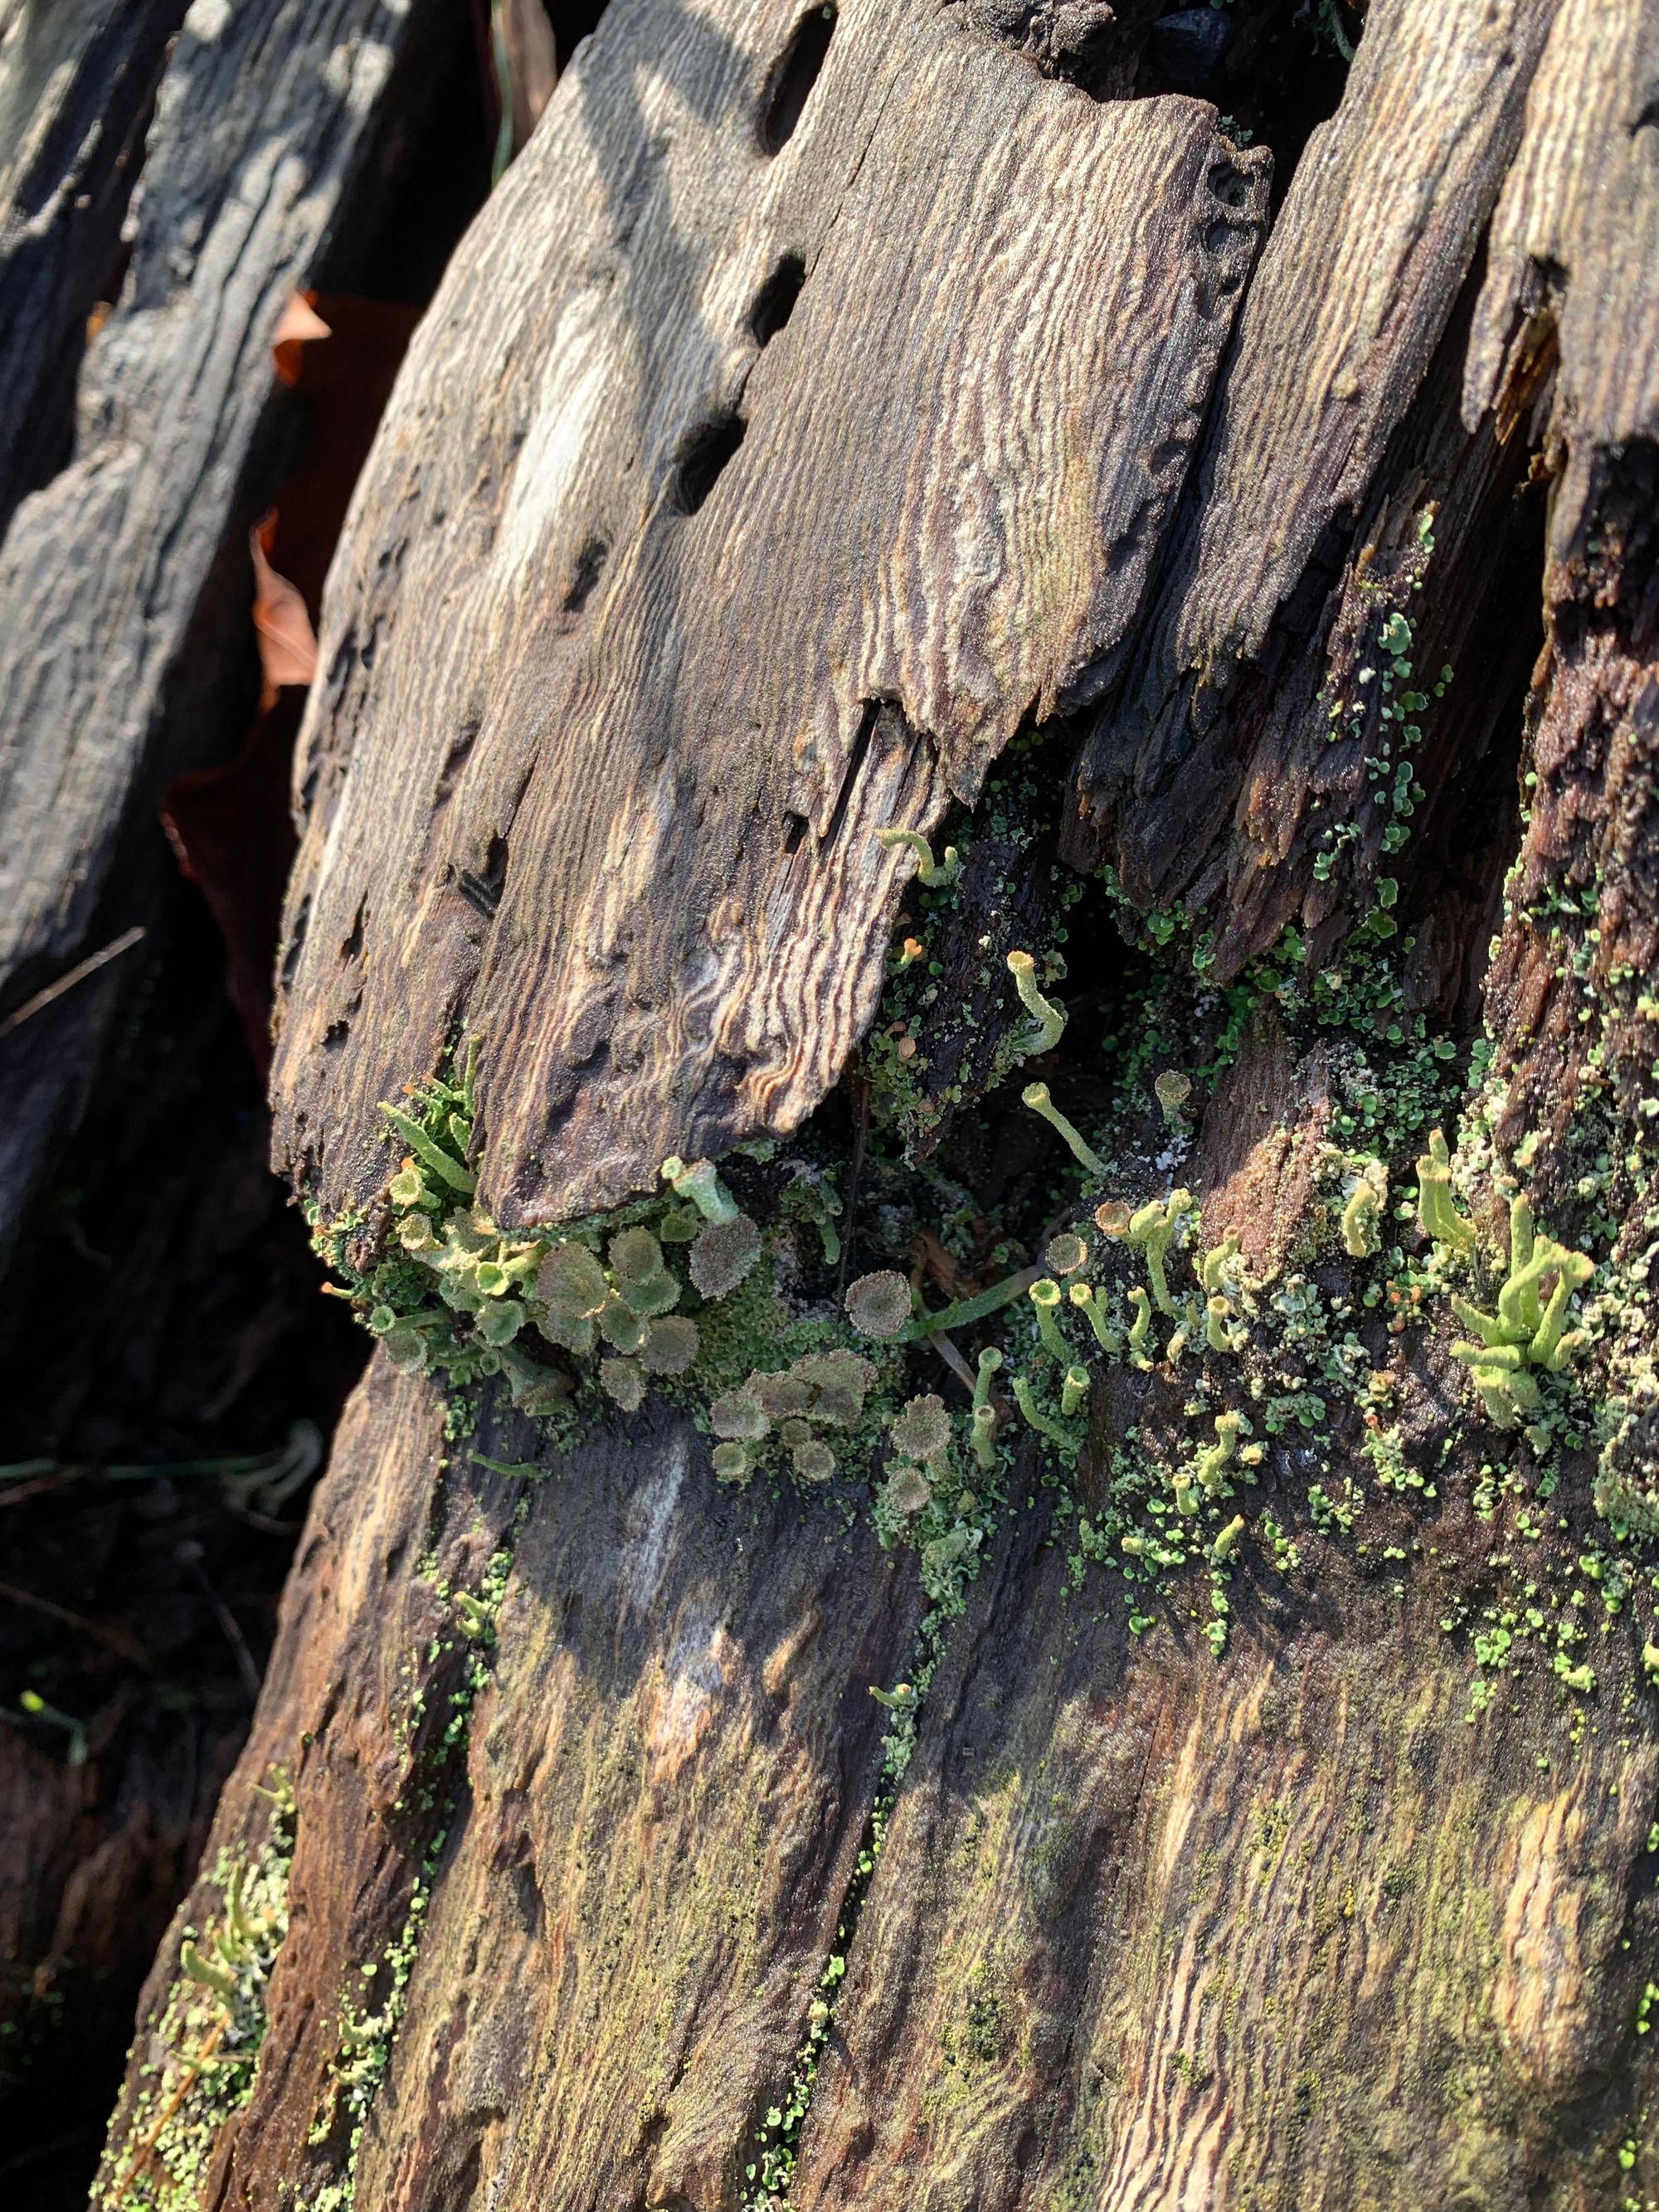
{"x":358,"y":1649}
{"x":1152,"y":1933}
{"x":1568,"y":330}
{"x":110,"y":679}
{"x":77,"y":84}
{"x":669,"y":1781}
{"x":1573,"y":261}
{"x":1356,"y":288}
{"x":653,"y":1815}
{"x":1147,"y":1929}
{"x":623,"y":829}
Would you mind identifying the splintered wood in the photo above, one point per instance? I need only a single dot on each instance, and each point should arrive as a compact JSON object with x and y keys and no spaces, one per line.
{"x":1299,"y":460}
{"x":734,"y":505}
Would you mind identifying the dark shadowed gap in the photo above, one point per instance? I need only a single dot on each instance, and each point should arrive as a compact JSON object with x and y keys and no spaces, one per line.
{"x":572,"y":21}
{"x":703,"y":458}
{"x":1275,"y":70}
{"x":795,"y":76}
{"x":584,"y":575}
{"x":775,"y":301}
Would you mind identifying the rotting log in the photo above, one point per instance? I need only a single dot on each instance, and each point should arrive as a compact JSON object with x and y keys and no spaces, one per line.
{"x":809,"y":577}
{"x":78,"y":83}
{"x":1304,"y":1861}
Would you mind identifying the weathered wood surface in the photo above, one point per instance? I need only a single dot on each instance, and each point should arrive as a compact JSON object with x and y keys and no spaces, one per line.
{"x":157,"y":1303}
{"x":1573,"y":258}
{"x":122,"y":656}
{"x":1355,"y":286}
{"x":1295,"y":1936}
{"x":1569,"y":322}
{"x":77,"y":79}
{"x":550,"y":692}
{"x":651,"y":1818}
{"x":1147,"y":1933}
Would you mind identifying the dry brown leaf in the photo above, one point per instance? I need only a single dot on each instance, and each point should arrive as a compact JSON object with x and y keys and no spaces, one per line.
{"x":288,"y":644}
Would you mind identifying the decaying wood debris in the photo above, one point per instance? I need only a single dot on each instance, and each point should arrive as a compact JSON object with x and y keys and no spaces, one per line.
{"x":843,"y":422}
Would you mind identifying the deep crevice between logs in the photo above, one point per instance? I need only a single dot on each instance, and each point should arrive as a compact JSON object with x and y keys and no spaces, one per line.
{"x":1272,"y":68}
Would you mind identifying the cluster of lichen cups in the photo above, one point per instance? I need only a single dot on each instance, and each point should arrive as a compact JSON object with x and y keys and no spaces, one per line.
{"x":629,"y":1305}
{"x":624,"y":1307}
{"x":1527,"y":1332}
{"x":234,"y":1956}
{"x":616,"y":1310}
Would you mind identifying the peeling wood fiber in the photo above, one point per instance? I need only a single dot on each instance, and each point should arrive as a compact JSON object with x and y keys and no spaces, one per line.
{"x":600,"y":745}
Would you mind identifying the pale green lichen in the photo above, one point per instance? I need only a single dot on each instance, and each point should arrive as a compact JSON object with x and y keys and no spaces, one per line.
{"x":1035,"y":1095}
{"x":1527,"y":1332}
{"x":203,"y":2054}
{"x":936,"y":876}
{"x":1048,"y":1019}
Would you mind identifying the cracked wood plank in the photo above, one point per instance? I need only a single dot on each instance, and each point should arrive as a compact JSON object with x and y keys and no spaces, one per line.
{"x":77,"y":81}
{"x":1568,"y":327}
{"x":1573,"y":259}
{"x":1148,"y":1933}
{"x":601,"y":741}
{"x":669,"y":1780}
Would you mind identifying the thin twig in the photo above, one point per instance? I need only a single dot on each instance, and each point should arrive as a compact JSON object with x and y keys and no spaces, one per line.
{"x":233,"y":1634}
{"x":39,"y":1485}
{"x":952,"y":1358}
{"x":119,"y":1640}
{"x":78,"y":974}
{"x":188,"y":2070}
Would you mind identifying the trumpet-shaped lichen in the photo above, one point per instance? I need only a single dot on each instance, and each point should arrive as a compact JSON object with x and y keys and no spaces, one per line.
{"x":1527,"y":1330}
{"x":936,"y":876}
{"x":1048,"y":1020}
{"x":1035,"y":1095}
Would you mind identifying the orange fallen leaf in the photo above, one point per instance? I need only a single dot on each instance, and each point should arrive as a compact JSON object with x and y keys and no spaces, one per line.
{"x":229,"y":825}
{"x":288,"y":643}
{"x":300,"y":326}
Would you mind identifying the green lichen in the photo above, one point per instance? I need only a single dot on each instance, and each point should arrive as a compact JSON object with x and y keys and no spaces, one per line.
{"x":715,"y":1293}
{"x":204,"y":2050}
